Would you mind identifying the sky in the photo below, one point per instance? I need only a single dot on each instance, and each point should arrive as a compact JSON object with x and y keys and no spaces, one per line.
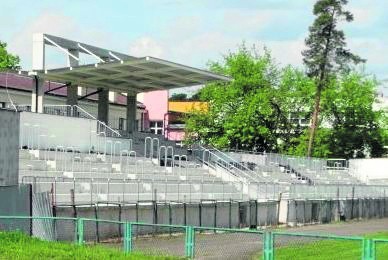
{"x":191,"y":32}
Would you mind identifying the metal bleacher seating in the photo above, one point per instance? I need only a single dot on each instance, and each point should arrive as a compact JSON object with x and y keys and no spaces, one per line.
{"x":77,"y":177}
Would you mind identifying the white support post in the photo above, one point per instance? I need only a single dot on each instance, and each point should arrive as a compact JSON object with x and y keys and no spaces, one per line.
{"x":38,"y":52}
{"x":38,"y":63}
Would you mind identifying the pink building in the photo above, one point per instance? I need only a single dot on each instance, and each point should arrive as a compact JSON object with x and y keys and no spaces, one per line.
{"x":156,"y":103}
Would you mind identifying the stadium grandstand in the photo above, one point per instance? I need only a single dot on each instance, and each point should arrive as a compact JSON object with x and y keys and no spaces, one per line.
{"x":97,"y":135}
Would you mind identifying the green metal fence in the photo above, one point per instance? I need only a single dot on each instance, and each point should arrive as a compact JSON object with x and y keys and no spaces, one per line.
{"x":230,"y":243}
{"x":197,"y":242}
{"x":380,"y":249}
{"x":314,"y":246}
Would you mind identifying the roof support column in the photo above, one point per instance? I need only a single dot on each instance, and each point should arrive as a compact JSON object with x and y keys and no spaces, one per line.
{"x":131,"y":113}
{"x":38,"y":63}
{"x":103,"y":106}
{"x":72,"y":90}
{"x":37,"y":95}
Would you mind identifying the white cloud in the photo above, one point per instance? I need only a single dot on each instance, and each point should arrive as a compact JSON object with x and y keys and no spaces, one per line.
{"x":248,"y":20}
{"x":363,"y":16}
{"x":58,"y":24}
{"x":286,"y":52}
{"x":369,"y":48}
{"x":146,"y":46}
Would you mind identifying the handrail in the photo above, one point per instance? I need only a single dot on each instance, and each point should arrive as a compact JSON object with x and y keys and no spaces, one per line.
{"x":76,"y":108}
{"x":234,"y":161}
{"x":86,"y":112}
{"x":223,"y":165}
{"x":246,"y":172}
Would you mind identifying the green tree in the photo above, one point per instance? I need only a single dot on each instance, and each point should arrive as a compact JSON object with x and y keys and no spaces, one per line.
{"x":357,"y":128}
{"x":295,"y":99}
{"x":195,"y":96}
{"x":7,"y":60}
{"x":178,"y":97}
{"x":322,"y":143}
{"x":351,"y":126}
{"x":252,"y":111}
{"x":326,"y":52}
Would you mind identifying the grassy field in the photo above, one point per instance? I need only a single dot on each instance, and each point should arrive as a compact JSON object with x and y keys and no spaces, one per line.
{"x":15,"y":245}
{"x":328,"y":249}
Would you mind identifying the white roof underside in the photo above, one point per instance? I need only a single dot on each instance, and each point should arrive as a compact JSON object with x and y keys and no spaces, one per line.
{"x":133,"y":75}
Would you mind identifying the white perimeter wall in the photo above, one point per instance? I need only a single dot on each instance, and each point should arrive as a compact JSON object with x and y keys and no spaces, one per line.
{"x":366,"y":169}
{"x":42,"y":131}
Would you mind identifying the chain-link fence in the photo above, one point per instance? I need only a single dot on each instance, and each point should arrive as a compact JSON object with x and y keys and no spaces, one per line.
{"x":380,"y":249}
{"x":196,"y":242}
{"x":156,"y":239}
{"x":46,"y":228}
{"x":227,"y":243}
{"x":309,"y":246}
{"x":104,"y":233}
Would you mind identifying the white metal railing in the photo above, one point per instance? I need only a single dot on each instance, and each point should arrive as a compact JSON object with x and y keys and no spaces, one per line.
{"x":73,"y":111}
{"x":121,"y":190}
{"x":211,"y":159}
{"x":151,"y":142}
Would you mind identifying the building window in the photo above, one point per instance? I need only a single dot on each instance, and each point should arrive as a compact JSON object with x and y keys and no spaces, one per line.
{"x":2,"y":104}
{"x":156,"y":127}
{"x":121,"y":123}
{"x":141,"y":128}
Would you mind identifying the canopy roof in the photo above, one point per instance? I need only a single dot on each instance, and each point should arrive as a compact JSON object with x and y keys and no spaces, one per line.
{"x":133,"y":75}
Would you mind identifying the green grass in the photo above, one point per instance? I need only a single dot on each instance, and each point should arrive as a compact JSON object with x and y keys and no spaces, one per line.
{"x":16,"y":245}
{"x":327,"y":249}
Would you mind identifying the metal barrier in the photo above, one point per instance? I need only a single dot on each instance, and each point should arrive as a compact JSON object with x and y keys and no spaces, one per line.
{"x":209,"y":159}
{"x":336,"y":191}
{"x":379,"y":249}
{"x":315,"y":246}
{"x":77,"y":111}
{"x":196,"y":242}
{"x":92,"y":190}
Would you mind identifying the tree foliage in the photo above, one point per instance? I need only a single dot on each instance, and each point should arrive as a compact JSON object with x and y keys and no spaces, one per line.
{"x":178,"y":97}
{"x":7,"y":60}
{"x":356,"y":126}
{"x":253,"y":110}
{"x":263,"y":107}
{"x":326,"y":54}
{"x":350,"y":125}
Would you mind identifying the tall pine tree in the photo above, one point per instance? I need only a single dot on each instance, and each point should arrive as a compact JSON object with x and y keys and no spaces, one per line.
{"x":326,"y":52}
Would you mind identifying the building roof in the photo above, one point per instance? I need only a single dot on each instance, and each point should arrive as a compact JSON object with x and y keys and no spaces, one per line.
{"x":25,"y":83}
{"x":133,"y":75}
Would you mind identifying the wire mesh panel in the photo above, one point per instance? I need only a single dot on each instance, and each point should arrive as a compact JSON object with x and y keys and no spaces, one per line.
{"x":381,"y":249}
{"x":219,"y":243}
{"x":103,"y":232}
{"x":12,"y":224}
{"x":65,"y":229}
{"x":161,"y":240}
{"x":50,"y":229}
{"x":306,"y":246}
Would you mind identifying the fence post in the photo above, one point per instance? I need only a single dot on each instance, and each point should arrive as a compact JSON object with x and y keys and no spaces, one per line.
{"x":128,"y":237}
{"x":189,"y":242}
{"x":80,"y":231}
{"x":368,"y":249}
{"x":268,"y":246}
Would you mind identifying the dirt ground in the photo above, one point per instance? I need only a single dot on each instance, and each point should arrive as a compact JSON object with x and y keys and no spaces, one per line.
{"x":350,"y":228}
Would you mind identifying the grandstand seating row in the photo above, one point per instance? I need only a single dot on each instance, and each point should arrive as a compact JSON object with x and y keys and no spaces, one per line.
{"x":297,"y":169}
